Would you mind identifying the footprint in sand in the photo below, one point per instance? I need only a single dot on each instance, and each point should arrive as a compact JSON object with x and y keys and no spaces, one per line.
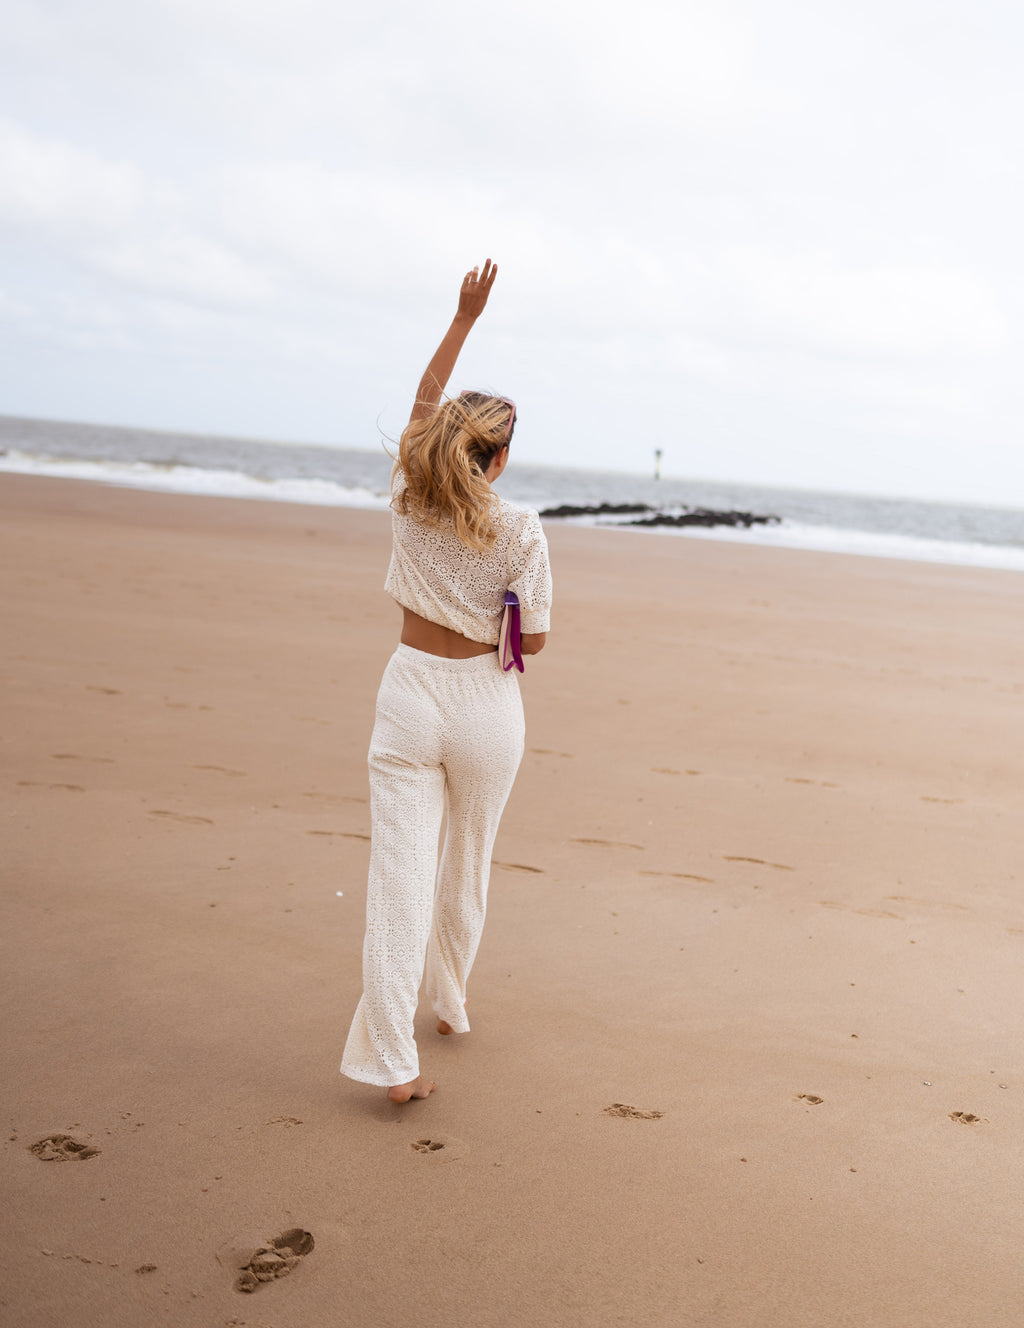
{"x":948,"y":801}
{"x":275,"y":1259}
{"x":41,"y":783}
{"x":549,"y":751}
{"x":339,"y":834}
{"x":180,"y":816}
{"x":864,"y":912}
{"x":107,"y":691}
{"x":221,"y":769}
{"x":760,"y":862}
{"x":664,"y":770}
{"x":73,"y":756}
{"x":679,"y":876}
{"x":334,"y":797}
{"x":518,"y":866}
{"x":812,"y":1098}
{"x":62,"y":1148}
{"x":607,"y":843}
{"x":624,"y":1110}
{"x":439,"y":1147}
{"x":965,"y":1118}
{"x":930,"y":903}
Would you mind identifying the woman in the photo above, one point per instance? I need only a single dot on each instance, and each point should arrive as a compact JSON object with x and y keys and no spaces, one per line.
{"x":448,"y":736}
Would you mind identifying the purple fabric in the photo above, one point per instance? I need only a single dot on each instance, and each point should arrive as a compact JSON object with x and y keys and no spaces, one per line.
{"x":509,"y":647}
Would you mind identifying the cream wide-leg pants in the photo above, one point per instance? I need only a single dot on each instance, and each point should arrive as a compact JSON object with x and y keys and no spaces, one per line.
{"x":448,"y":737}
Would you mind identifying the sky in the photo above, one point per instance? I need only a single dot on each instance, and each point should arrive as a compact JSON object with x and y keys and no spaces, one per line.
{"x":780,"y":242}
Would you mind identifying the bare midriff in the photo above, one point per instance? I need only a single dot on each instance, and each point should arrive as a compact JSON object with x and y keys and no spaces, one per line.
{"x":433,"y":639}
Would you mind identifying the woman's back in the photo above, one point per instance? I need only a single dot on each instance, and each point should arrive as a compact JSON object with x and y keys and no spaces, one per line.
{"x":436,"y":576}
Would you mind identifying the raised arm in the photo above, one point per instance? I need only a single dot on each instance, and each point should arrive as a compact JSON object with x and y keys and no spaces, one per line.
{"x":476,"y":286}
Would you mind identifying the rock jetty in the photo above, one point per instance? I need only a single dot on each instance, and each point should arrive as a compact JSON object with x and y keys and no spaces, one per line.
{"x":689,"y":516}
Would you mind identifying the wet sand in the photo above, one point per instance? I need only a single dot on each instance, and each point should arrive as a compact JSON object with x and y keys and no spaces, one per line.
{"x":746,"y":1041}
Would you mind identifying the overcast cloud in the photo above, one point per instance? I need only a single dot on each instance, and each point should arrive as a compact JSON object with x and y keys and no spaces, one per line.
{"x":780,"y":241}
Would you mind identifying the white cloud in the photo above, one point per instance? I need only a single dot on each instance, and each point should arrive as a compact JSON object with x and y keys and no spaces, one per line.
{"x":685,"y":61}
{"x":14,"y":310}
{"x":186,"y":265}
{"x":55,"y":184}
{"x":874,"y":311}
{"x":110,"y":215}
{"x":780,"y":217}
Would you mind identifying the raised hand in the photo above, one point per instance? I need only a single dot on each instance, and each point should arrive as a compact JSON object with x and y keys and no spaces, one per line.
{"x":476,"y":286}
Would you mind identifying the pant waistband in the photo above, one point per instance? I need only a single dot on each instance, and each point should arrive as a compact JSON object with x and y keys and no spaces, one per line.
{"x":474,"y":664}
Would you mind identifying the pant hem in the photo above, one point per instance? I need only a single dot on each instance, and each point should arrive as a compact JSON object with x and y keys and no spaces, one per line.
{"x":377,"y":1082}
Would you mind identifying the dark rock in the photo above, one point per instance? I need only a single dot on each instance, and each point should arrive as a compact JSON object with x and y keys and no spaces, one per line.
{"x":691,"y":516}
{"x":705,"y":516}
{"x":602,"y":509}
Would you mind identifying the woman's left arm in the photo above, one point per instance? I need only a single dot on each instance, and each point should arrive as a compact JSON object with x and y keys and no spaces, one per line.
{"x":532,"y":582}
{"x":476,"y":286}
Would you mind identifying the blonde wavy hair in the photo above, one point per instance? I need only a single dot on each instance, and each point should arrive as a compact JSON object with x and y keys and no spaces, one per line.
{"x":444,"y":458}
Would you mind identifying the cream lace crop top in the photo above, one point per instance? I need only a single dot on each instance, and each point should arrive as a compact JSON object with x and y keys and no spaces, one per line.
{"x":435,"y":575}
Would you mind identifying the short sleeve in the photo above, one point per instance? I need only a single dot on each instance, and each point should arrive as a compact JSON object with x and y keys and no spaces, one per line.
{"x":531,"y":573}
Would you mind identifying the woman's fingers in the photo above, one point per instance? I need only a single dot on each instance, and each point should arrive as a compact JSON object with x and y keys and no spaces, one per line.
{"x":485,"y":278}
{"x":476,"y":287}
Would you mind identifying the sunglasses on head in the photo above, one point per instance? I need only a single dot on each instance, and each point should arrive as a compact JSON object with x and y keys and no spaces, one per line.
{"x":511,"y":416}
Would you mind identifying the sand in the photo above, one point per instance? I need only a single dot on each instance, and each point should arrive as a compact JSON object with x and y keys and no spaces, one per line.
{"x":746,"y":1041}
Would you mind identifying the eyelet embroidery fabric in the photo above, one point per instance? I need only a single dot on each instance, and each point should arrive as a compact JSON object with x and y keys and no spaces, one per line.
{"x":448,"y":736}
{"x":436,"y":576}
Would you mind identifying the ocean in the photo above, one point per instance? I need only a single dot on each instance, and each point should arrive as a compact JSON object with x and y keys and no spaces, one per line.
{"x":353,"y":477}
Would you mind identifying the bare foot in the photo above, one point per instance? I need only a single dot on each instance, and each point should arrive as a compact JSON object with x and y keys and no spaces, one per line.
{"x":418,"y":1088}
{"x":444,"y":1027}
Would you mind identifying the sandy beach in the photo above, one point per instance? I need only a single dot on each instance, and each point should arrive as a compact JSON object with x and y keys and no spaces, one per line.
{"x":746,"y":1043}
